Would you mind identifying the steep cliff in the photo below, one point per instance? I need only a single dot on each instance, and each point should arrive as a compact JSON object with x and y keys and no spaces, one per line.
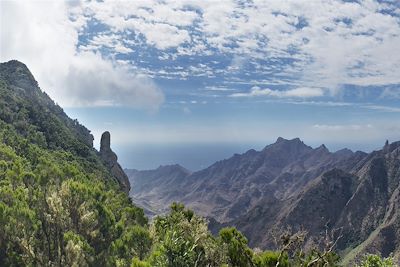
{"x":110,"y":159}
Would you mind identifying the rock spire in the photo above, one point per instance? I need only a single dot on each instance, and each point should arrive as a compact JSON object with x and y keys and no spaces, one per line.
{"x":111,"y":161}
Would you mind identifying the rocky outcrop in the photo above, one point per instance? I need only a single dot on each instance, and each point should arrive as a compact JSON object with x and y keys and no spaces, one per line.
{"x":360,"y":201}
{"x":110,"y":159}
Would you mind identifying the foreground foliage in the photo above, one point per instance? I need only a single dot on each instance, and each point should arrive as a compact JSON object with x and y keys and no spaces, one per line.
{"x":371,"y":260}
{"x":56,"y":210}
{"x":59,"y":205}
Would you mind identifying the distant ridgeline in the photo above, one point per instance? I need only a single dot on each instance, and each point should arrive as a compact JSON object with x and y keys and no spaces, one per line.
{"x":353,"y":196}
{"x":62,"y":203}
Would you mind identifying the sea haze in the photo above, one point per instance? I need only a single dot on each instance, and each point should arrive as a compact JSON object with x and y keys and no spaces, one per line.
{"x":191,"y":156}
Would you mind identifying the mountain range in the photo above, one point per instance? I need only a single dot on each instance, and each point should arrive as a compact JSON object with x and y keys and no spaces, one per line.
{"x":352,"y":197}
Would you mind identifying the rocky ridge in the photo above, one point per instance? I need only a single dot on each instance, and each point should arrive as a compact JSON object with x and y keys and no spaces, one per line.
{"x":35,"y":115}
{"x":291,"y":185}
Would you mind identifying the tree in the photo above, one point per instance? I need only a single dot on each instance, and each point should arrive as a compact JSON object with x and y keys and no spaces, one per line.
{"x":235,"y":245}
{"x":372,"y":260}
{"x":270,"y":259}
{"x":182,"y":239}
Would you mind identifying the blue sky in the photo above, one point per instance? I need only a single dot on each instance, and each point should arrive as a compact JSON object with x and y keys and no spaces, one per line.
{"x":175,"y":79}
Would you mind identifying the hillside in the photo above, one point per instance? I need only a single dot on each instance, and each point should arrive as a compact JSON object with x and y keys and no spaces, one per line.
{"x":289,"y":185}
{"x":360,"y":203}
{"x":60,"y":204}
{"x":149,"y":187}
{"x":35,"y":116}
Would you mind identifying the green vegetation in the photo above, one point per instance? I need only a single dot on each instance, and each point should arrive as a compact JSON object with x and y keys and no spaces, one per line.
{"x":371,"y":260}
{"x":59,"y":205}
{"x":56,"y":210}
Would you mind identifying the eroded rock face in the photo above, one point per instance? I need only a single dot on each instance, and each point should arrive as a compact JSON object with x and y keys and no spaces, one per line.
{"x":111,"y":161}
{"x":105,"y":143}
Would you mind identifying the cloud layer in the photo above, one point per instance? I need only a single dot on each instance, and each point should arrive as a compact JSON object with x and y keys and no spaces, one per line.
{"x":111,"y":52}
{"x":301,"y":92}
{"x":45,"y":35}
{"x":342,"y":43}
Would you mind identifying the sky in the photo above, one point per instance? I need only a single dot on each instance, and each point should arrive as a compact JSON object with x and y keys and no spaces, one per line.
{"x":192,"y":81}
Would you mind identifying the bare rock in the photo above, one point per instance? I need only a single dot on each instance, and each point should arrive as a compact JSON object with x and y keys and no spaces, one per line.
{"x":111,"y":161}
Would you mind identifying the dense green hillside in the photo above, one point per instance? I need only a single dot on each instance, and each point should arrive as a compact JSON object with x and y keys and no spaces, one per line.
{"x":61,"y":206}
{"x":35,"y":116}
{"x":58,"y":203}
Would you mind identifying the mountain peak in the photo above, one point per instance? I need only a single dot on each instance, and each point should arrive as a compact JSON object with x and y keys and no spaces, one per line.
{"x":105,"y":143}
{"x":280,"y":139}
{"x":293,"y":146}
{"x":17,"y":74}
{"x":174,"y":169}
{"x":389,"y":147}
{"x":111,"y":161}
{"x":287,"y":143}
{"x":294,"y":140}
{"x":15,"y":64}
{"x":322,"y":148}
{"x":345,"y":152}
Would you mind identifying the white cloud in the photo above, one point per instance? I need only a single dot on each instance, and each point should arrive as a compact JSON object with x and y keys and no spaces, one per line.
{"x":237,"y":63}
{"x":42,"y":35}
{"x":382,"y":108}
{"x":322,"y":103}
{"x":342,"y":43}
{"x":106,"y":85}
{"x":342,"y":127}
{"x":160,"y":23}
{"x":287,"y":42}
{"x":219,"y":88}
{"x":302,"y":92}
{"x":110,"y":41}
{"x":160,"y":35}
